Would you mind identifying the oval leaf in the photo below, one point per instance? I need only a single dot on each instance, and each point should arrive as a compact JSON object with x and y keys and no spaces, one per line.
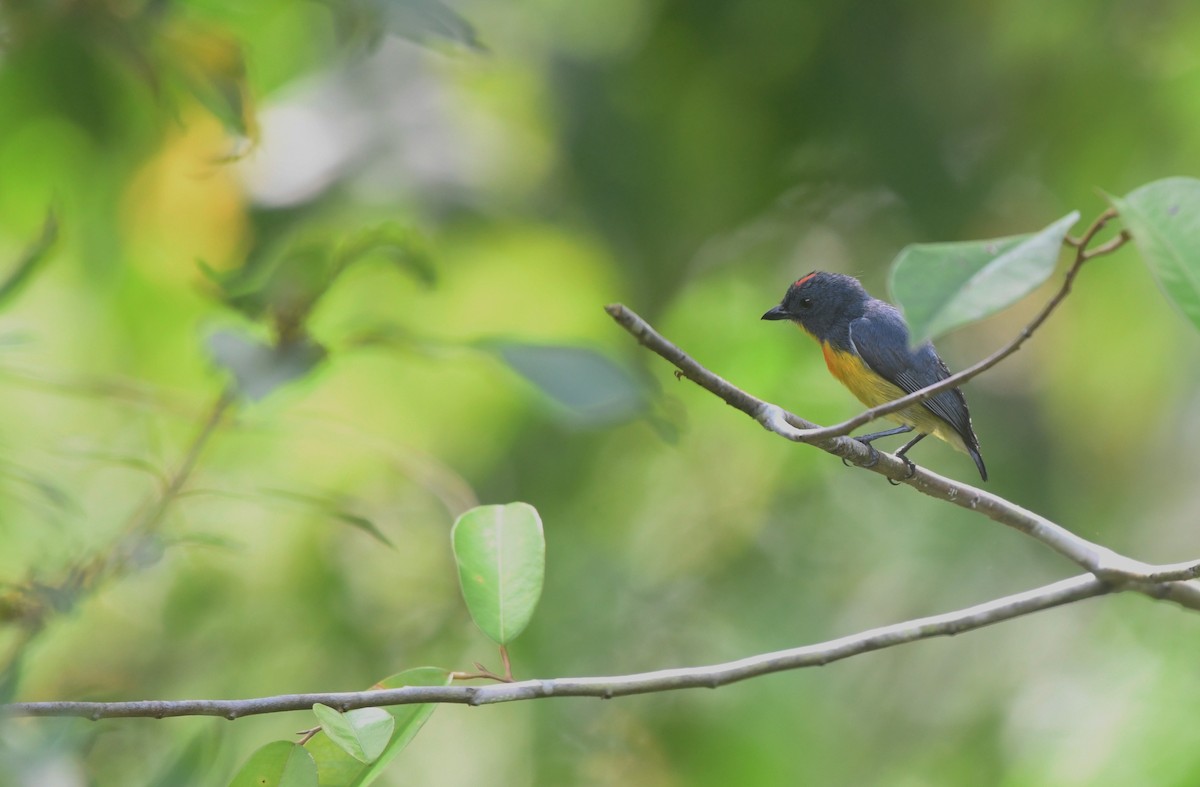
{"x":259,"y":368}
{"x":409,"y":718}
{"x":338,"y":769}
{"x":941,"y":286}
{"x":278,"y":764}
{"x":362,"y":733}
{"x":1164,"y":219}
{"x":33,"y":257}
{"x":501,"y":555}
{"x":591,"y":388}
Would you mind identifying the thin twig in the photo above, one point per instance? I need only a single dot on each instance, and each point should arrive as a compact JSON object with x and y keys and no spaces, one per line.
{"x":508,"y":675}
{"x":1057,"y":594}
{"x":151,"y":519}
{"x":128,"y":550}
{"x":1082,"y":255}
{"x":1091,"y":556}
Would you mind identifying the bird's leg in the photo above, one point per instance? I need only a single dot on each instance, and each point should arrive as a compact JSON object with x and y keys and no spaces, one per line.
{"x":912,"y":468}
{"x":867,"y":438}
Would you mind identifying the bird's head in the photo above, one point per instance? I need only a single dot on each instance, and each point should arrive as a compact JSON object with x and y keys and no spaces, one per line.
{"x":820,"y":302}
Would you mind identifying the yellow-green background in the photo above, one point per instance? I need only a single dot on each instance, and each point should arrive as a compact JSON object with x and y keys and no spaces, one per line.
{"x":688,"y":159}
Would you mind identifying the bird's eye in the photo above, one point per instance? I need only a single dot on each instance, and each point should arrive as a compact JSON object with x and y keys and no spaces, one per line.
{"x":805,"y":303}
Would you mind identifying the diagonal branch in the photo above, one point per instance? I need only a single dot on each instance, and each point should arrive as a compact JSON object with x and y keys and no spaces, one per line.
{"x":1082,"y":255}
{"x":34,"y":603}
{"x":1097,"y":559}
{"x":1066,"y":591}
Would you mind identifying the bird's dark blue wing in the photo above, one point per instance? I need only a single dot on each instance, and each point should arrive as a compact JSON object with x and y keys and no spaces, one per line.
{"x":880,"y":337}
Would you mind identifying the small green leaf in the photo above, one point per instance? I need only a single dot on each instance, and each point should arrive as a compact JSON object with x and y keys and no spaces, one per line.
{"x":419,"y":20}
{"x":278,"y":764}
{"x":941,"y":286}
{"x":1164,"y":219}
{"x":501,"y":555}
{"x":362,"y":733}
{"x":328,"y":505}
{"x":338,"y":769}
{"x":198,"y":756}
{"x":33,"y":257}
{"x":259,"y":368}
{"x":409,"y":718}
{"x":400,"y":245}
{"x":212,"y":67}
{"x":592,"y":389}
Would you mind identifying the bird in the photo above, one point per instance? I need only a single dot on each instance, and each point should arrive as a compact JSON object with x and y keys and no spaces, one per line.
{"x":866,"y":346}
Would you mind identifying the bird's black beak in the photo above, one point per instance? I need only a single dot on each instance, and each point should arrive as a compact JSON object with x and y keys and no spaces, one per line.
{"x":778,"y":313}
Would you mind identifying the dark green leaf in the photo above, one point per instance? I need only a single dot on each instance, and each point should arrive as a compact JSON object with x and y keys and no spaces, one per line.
{"x":259,"y":368}
{"x":591,"y":388}
{"x":501,"y":555}
{"x":329,"y":507}
{"x":199,"y":539}
{"x":278,"y":764}
{"x":211,"y":66}
{"x":398,"y":244}
{"x":1164,"y":219}
{"x":195,"y":759}
{"x":33,"y":256}
{"x":117,"y":459}
{"x":47,"y":490}
{"x":941,"y":286}
{"x":419,"y":20}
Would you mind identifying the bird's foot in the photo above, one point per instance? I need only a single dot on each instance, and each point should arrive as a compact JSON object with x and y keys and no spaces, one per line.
{"x":912,"y":470}
{"x":874,"y":455}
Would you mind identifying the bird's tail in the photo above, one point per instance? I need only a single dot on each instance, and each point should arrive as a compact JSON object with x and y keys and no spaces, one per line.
{"x":974,"y":452}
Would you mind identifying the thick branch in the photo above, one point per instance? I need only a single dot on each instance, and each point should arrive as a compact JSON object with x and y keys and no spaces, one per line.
{"x":948,"y":624}
{"x":1095,"y":558}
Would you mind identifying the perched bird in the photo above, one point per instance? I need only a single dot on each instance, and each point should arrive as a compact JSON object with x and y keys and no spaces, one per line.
{"x":866,"y":347}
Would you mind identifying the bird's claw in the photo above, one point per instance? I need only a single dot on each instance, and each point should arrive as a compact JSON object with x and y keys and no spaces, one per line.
{"x":874,"y":455}
{"x":912,"y":470}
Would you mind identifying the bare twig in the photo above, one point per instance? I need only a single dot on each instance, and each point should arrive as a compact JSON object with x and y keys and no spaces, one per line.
{"x":149,"y":521}
{"x":125,"y":554}
{"x":1057,"y":594}
{"x":1082,"y":255}
{"x":508,"y":675}
{"x":1159,"y":581}
{"x":1097,"y":559}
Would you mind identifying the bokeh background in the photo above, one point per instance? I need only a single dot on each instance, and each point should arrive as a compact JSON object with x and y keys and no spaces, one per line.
{"x":492,"y":174}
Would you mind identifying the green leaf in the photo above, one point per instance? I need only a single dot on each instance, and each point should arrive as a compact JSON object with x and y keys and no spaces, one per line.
{"x":941,"y":286}
{"x":1164,"y":219}
{"x":362,"y":733}
{"x":259,"y":368}
{"x":211,"y":66}
{"x":30,"y":260}
{"x":278,"y":764}
{"x":338,"y":769}
{"x":328,"y":506}
{"x":592,"y":389}
{"x":199,"y":756}
{"x":409,"y":718}
{"x":501,"y":555}
{"x":400,"y":245}
{"x":419,"y":20}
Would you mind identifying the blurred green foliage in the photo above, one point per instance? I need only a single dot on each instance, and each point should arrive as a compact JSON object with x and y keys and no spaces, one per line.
{"x":215,"y":165}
